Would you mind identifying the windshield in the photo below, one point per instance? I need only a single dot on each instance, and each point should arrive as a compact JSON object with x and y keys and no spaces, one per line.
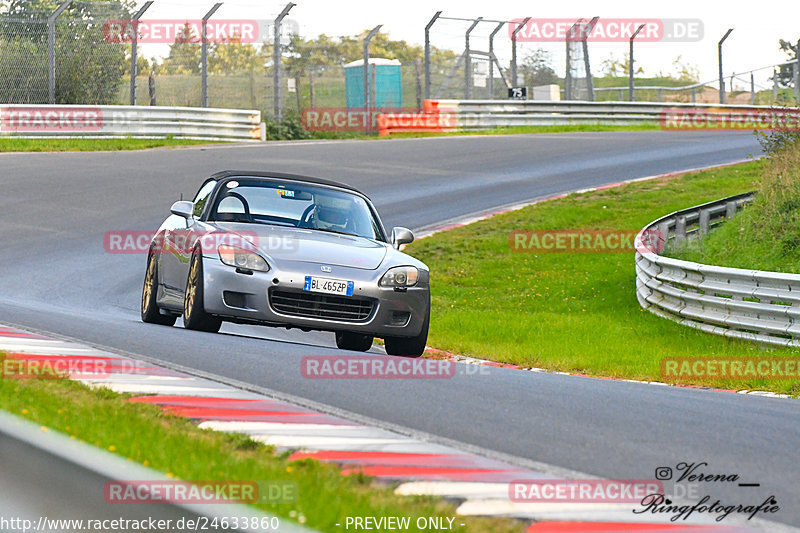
{"x":295,"y":204}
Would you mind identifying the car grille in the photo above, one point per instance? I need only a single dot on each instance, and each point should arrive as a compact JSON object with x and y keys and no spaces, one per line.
{"x":309,"y":305}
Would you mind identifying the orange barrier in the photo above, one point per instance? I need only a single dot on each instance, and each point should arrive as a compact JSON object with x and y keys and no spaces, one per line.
{"x":390,"y":123}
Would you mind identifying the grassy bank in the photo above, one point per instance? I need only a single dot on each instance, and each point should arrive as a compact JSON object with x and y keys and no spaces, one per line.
{"x":90,"y":145}
{"x":573,"y":311}
{"x":766,"y":234}
{"x":175,"y":446}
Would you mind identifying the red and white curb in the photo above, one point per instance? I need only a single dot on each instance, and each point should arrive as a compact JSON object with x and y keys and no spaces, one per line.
{"x":415,"y":466}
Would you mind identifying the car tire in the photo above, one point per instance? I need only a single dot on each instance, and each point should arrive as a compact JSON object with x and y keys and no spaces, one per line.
{"x":151,"y":314}
{"x":409,"y":346}
{"x":194,"y":315}
{"x":346,"y":340}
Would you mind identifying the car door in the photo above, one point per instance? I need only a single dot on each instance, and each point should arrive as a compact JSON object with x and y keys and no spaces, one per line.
{"x":179,"y":237}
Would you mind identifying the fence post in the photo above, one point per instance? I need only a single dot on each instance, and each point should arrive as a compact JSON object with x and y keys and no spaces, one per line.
{"x":418,"y":85}
{"x":428,"y":54}
{"x":491,"y":59}
{"x":680,"y":229}
{"x":51,"y":51}
{"x":204,"y":53}
{"x":514,"y":50}
{"x":366,"y":80}
{"x":703,"y":223}
{"x":312,"y":97}
{"x":276,"y":61}
{"x":663,"y":228}
{"x":134,"y":53}
{"x":468,"y":60}
{"x":796,"y":72}
{"x":630,"y":64}
{"x":774,"y":85}
{"x":151,"y":85}
{"x":721,"y":79}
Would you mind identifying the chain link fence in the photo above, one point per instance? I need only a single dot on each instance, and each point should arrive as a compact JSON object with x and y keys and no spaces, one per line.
{"x":69,"y":53}
{"x":63,"y":56}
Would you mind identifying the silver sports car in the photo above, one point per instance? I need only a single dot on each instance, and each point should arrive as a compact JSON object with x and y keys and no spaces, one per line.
{"x":290,"y":251}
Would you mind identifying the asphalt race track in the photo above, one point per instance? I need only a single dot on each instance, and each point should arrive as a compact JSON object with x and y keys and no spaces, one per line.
{"x":56,"y":277}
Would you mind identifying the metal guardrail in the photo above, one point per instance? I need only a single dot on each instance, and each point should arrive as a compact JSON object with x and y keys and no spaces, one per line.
{"x":567,"y":107}
{"x":70,"y":480}
{"x":487,"y":114}
{"x":732,"y":302}
{"x":60,"y":121}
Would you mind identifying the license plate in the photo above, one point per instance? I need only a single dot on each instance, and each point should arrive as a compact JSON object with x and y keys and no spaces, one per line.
{"x":328,"y":286}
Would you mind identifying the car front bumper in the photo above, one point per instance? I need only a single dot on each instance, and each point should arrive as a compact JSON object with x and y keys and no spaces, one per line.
{"x":244,"y":297}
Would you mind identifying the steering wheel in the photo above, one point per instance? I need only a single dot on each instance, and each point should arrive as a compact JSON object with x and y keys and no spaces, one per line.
{"x":305,"y":218}
{"x":245,"y":205}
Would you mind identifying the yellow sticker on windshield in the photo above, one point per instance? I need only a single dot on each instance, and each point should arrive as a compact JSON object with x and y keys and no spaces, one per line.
{"x":284,"y":192}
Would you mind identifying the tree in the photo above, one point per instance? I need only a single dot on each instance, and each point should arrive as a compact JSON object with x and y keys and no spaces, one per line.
{"x":536,"y":69}
{"x":786,"y":73}
{"x":143,"y":66}
{"x":233,"y":56}
{"x":612,"y":67}
{"x":89,"y":69}
{"x":184,"y":54}
{"x":684,"y":71}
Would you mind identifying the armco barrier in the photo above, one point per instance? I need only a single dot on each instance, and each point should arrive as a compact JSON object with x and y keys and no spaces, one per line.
{"x":486,"y":114}
{"x":732,"y":302}
{"x":129,"y":121}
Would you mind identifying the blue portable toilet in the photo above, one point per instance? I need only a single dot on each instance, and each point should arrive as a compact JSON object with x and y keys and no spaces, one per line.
{"x":388,"y":88}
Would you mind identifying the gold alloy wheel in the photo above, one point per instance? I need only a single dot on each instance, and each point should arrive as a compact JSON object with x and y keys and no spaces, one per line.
{"x":147,"y":293}
{"x":191,"y":289}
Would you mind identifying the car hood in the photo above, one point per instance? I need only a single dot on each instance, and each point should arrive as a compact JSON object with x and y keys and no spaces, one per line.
{"x":294,"y":244}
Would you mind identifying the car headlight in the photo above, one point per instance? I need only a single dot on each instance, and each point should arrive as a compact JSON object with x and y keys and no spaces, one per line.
{"x":405,"y":276}
{"x":240,"y":258}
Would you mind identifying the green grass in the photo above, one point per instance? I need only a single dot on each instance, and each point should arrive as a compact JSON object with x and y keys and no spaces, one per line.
{"x":766,"y":234}
{"x":741,"y":243}
{"x":175,"y":446}
{"x":90,"y":145}
{"x":573,"y":312}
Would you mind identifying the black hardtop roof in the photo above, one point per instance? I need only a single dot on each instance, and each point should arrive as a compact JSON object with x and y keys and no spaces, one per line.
{"x":282,"y":175}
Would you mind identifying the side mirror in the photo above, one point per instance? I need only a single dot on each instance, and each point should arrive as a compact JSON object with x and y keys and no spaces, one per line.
{"x":182,"y":209}
{"x":401,"y":236}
